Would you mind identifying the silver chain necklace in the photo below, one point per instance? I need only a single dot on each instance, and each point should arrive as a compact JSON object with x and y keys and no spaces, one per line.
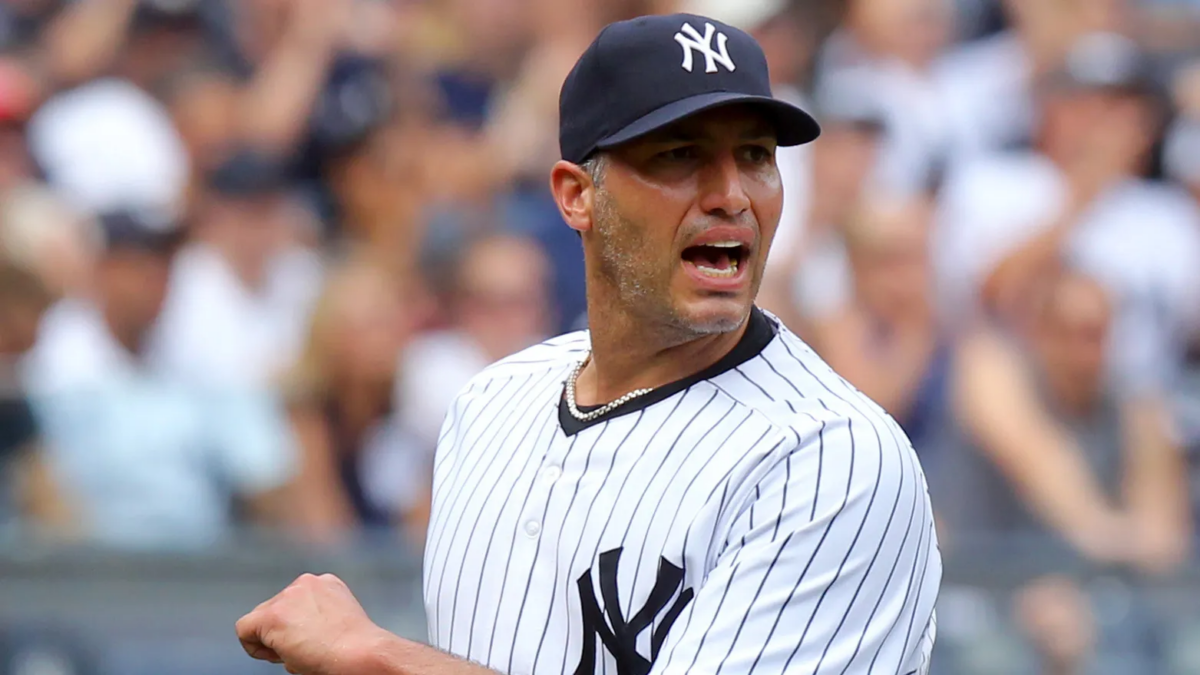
{"x":603,"y":410}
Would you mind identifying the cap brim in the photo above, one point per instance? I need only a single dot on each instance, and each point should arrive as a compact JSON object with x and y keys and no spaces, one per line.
{"x":793,"y":125}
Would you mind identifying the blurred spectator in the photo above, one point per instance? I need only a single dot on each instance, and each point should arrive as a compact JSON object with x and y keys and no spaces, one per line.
{"x":1008,"y":220}
{"x":891,"y":48}
{"x":989,"y":84}
{"x":147,"y":459}
{"x":380,"y":187}
{"x":1182,"y":151}
{"x":241,"y":291}
{"x":26,"y":487}
{"x":107,"y":145}
{"x":1051,"y":455}
{"x":361,"y":467}
{"x":1052,"y":450}
{"x":499,"y":305}
{"x":808,"y":276}
{"x":22,"y":21}
{"x":887,"y":339}
{"x":203,"y":102}
{"x":41,"y":233}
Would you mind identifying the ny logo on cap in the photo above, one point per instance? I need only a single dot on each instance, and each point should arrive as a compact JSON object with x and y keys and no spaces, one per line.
{"x":693,"y":41}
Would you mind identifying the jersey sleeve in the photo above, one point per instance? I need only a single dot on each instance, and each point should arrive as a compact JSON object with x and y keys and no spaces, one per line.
{"x":830,"y":565}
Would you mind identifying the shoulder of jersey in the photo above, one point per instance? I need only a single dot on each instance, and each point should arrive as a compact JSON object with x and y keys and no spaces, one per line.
{"x":557,"y":352}
{"x":814,"y":393}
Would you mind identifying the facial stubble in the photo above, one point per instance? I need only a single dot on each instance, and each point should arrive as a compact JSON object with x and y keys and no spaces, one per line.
{"x":642,"y":283}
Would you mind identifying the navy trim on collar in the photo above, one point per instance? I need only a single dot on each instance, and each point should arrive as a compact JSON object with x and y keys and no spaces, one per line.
{"x":760,"y":330}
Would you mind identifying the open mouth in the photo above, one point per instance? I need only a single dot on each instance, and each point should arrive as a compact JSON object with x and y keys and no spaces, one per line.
{"x":719,"y":260}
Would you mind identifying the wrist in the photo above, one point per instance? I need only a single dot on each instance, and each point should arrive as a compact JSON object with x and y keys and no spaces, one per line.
{"x":375,"y":653}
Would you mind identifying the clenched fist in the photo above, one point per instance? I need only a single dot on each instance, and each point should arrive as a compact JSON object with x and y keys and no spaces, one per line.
{"x":315,"y":626}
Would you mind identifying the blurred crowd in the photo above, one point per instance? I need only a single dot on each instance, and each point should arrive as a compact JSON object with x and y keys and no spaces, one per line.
{"x":251,"y":249}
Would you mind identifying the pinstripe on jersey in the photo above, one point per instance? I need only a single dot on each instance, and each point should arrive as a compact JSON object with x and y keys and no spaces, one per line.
{"x":761,"y":517}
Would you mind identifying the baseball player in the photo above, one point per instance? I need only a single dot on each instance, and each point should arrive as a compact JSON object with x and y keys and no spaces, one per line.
{"x":685,"y":487}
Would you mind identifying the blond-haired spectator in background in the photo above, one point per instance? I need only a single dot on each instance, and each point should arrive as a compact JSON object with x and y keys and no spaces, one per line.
{"x":360,"y":467}
{"x":499,"y":304}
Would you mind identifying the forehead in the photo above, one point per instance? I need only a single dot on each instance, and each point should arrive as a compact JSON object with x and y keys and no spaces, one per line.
{"x":728,"y":122}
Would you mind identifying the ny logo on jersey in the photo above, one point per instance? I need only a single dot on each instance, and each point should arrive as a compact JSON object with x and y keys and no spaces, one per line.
{"x":693,"y":41}
{"x":620,"y":639}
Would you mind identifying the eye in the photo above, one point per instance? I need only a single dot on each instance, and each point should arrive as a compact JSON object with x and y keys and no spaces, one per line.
{"x":757,"y":154}
{"x":683,"y":153}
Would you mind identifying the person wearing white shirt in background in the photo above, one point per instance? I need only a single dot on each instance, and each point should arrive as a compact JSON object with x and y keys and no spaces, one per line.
{"x":148,"y":459}
{"x":242,"y":291}
{"x":1007,"y":219}
{"x":891,"y":48}
{"x":988,"y":84}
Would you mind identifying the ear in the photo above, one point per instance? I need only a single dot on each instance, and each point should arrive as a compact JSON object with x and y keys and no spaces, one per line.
{"x":574,"y":193}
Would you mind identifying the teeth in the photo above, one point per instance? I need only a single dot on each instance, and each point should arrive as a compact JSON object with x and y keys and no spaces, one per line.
{"x":724,"y":244}
{"x":721,"y":274}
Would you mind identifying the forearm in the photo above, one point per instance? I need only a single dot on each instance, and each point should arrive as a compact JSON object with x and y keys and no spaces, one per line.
{"x":393,"y":655}
{"x":86,"y":38}
{"x":277,"y":103}
{"x":1156,"y":490}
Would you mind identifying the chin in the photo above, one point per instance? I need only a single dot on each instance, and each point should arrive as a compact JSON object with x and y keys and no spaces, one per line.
{"x":713,"y":315}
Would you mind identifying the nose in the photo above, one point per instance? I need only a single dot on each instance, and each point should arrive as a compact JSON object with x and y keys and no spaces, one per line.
{"x":721,"y":191}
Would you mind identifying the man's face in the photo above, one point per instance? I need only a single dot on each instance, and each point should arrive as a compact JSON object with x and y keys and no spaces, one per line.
{"x":503,"y":299}
{"x":1083,"y":126}
{"x":890,"y":257}
{"x":684,"y":219}
{"x":254,"y":228}
{"x":134,"y":285}
{"x":1073,"y":334}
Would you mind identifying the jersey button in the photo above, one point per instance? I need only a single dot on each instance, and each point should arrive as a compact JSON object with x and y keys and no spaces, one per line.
{"x":552,"y":474}
{"x":532,"y":528}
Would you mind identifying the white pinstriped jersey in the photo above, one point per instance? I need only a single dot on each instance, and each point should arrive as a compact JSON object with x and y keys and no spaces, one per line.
{"x":760,"y":517}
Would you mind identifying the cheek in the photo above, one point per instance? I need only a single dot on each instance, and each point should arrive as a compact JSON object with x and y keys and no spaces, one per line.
{"x":766,"y":196}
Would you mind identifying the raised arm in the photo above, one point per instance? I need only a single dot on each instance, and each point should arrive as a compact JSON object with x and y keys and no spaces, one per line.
{"x":1156,"y":489}
{"x":998,"y":407}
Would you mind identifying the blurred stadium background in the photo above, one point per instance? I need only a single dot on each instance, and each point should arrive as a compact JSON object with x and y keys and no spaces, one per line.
{"x":250,"y":249}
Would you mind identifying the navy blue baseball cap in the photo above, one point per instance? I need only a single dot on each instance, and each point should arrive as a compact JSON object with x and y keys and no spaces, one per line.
{"x":646,"y":73}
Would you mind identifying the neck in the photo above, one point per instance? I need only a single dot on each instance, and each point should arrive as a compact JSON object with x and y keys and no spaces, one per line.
{"x":128,"y":337}
{"x":626,"y":356}
{"x":360,"y":402}
{"x":1073,"y":399}
{"x":248,"y":271}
